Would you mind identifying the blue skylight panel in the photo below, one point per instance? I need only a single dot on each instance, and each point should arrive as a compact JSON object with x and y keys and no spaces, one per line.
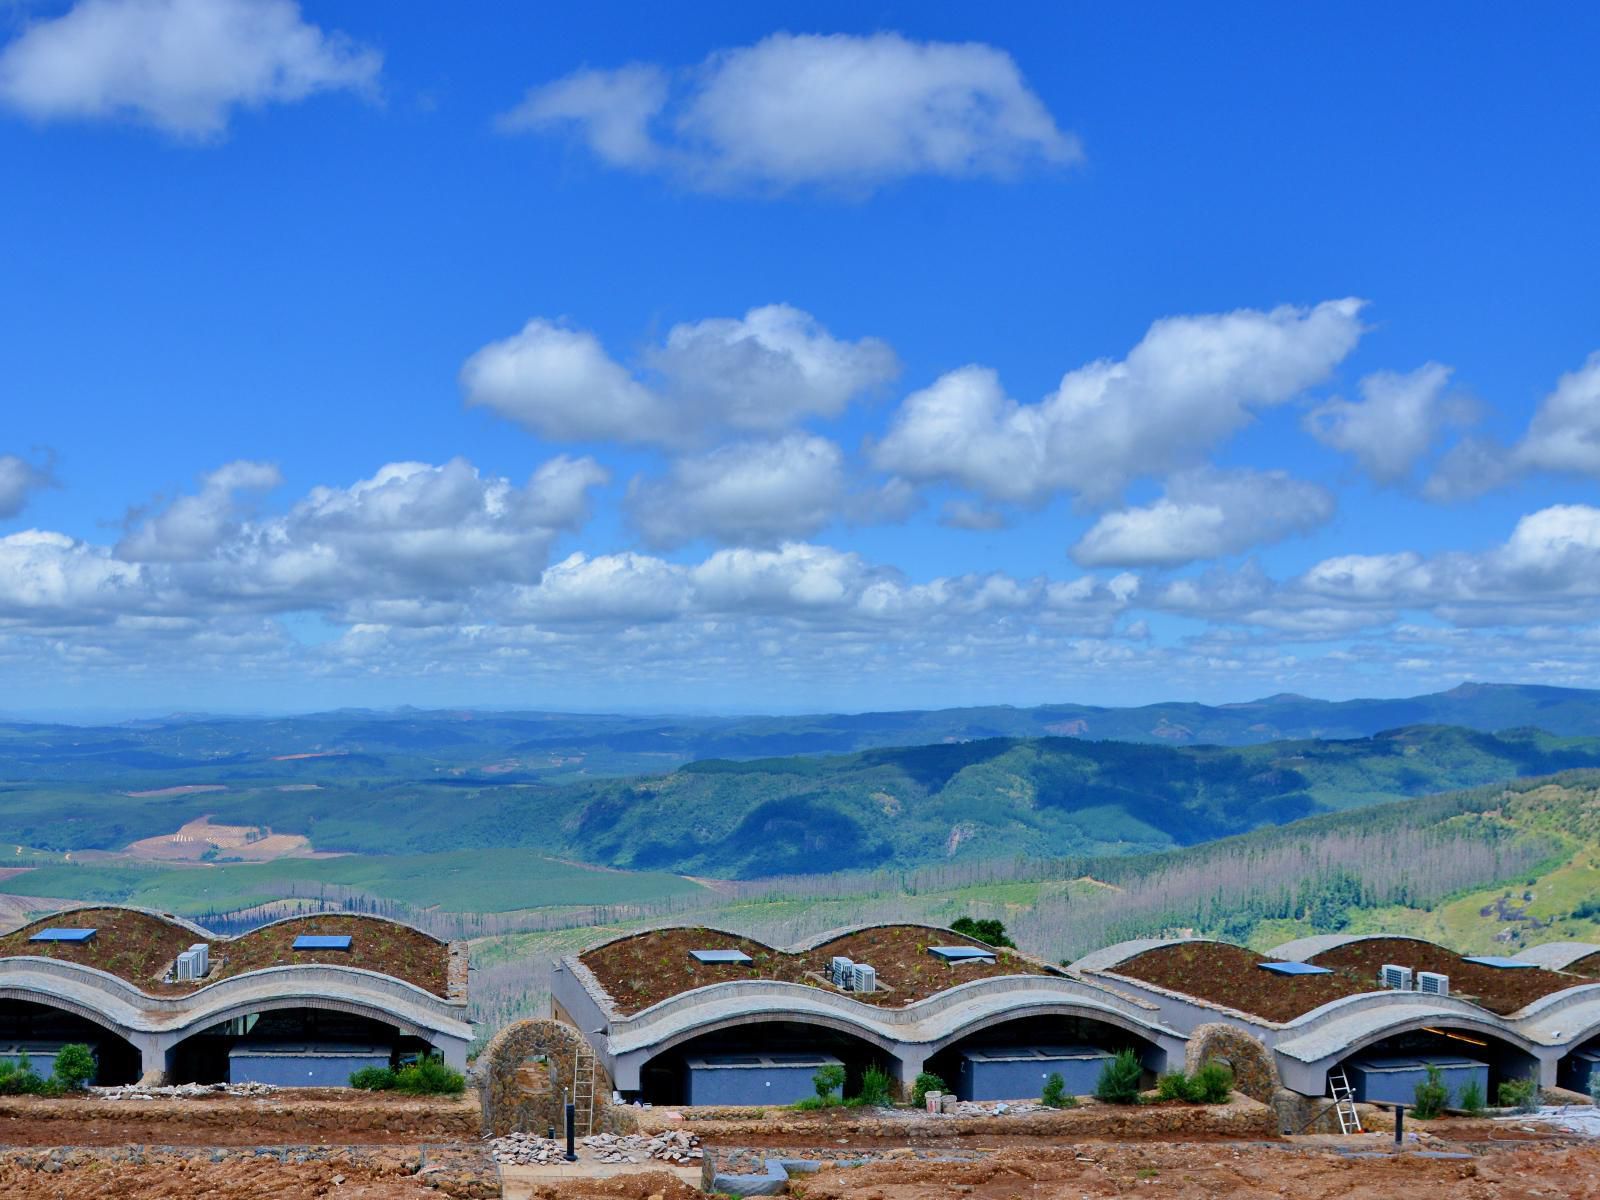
{"x":1293,"y":968}
{"x":720,"y":956}
{"x":322,"y":941}
{"x":71,"y":936}
{"x":956,"y":954}
{"x":1491,"y":960}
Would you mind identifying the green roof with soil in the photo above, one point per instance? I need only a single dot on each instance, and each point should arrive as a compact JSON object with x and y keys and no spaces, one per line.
{"x":653,"y":966}
{"x":140,"y":947}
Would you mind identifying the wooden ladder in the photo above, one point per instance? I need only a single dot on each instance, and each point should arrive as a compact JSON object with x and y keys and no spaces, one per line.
{"x":583,"y":1072}
{"x":1344,"y":1101}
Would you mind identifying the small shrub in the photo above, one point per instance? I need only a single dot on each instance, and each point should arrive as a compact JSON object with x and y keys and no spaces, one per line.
{"x":925,"y":1083}
{"x":1119,"y":1079}
{"x":1055,"y":1092}
{"x":1594,"y":1086}
{"x":1520,"y":1094}
{"x":1175,"y":1085}
{"x":1212,"y":1083}
{"x":1471,"y":1099}
{"x":75,"y":1067}
{"x":811,"y":1103}
{"x":372,"y":1079}
{"x":18,"y":1078}
{"x":987,"y":930}
{"x":429,"y":1077}
{"x":827,"y":1081}
{"x":1431,"y":1095}
{"x":877,"y":1086}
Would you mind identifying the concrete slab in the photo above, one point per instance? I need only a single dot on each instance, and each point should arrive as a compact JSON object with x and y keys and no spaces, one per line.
{"x":518,"y":1182}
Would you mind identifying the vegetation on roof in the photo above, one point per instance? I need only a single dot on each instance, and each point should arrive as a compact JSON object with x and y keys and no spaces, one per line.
{"x":649,"y":967}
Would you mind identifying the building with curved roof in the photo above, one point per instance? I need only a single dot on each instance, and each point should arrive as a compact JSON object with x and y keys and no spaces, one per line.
{"x":659,"y":1006}
{"x":161,"y":997}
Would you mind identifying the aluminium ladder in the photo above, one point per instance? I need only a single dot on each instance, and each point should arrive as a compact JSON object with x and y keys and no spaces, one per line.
{"x":583,"y":1071}
{"x":1344,"y":1101}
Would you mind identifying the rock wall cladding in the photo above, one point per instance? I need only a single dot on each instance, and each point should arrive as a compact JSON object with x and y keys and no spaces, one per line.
{"x":1254,"y":1072}
{"x":521,"y":1073}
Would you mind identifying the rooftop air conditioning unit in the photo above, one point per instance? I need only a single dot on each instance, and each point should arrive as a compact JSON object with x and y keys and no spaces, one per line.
{"x":188,"y":967}
{"x":1396,"y":977}
{"x":1433,"y":983}
{"x":863,"y":979}
{"x":840,"y":972}
{"x":202,"y":951}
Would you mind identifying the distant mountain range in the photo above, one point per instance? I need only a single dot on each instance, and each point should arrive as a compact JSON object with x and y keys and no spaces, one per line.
{"x":617,"y":744}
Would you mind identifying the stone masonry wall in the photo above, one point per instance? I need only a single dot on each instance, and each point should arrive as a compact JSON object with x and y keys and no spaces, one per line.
{"x":1255,"y":1074}
{"x":522,"y":1094}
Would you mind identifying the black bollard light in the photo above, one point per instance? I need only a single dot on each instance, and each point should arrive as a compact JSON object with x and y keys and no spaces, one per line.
{"x":572,"y":1121}
{"x":1399,"y":1124}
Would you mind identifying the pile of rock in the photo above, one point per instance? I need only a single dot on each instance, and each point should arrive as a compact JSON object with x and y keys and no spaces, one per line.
{"x":181,"y":1091}
{"x":673,"y":1146}
{"x":995,"y":1108}
{"x":527,"y":1150}
{"x":531,"y":1150}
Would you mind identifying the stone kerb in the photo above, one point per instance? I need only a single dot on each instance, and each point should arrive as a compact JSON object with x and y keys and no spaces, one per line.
{"x":522,"y":1094}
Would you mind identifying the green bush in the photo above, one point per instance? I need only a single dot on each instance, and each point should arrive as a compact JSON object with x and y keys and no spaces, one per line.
{"x":1119,"y":1079}
{"x":18,"y":1078}
{"x":1212,"y":1084}
{"x":429,"y":1077}
{"x":1431,"y":1095}
{"x":1520,"y":1094}
{"x":1471,"y":1099}
{"x":372,"y":1079}
{"x":1594,"y":1086}
{"x":75,"y":1067}
{"x":925,"y":1083}
{"x":1175,"y":1085}
{"x":827,"y":1081}
{"x":1055,"y":1092}
{"x":987,"y":930}
{"x":877,"y":1086}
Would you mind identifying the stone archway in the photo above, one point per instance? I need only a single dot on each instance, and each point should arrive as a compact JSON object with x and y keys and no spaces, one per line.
{"x":521,"y":1073}
{"x":1255,"y":1074}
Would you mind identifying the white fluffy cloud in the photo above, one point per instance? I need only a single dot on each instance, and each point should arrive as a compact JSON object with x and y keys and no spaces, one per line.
{"x":838,"y":111}
{"x":182,"y":66}
{"x":1393,"y":425}
{"x":192,"y":527}
{"x":19,"y":479}
{"x":747,"y":492}
{"x":1564,"y":434}
{"x":411,"y":532}
{"x":758,"y":373}
{"x":1206,"y":514}
{"x":1189,"y":383}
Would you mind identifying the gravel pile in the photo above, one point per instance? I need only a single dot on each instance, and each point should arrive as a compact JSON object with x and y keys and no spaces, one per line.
{"x":181,"y":1091}
{"x":528,"y":1149}
{"x":996,"y":1108}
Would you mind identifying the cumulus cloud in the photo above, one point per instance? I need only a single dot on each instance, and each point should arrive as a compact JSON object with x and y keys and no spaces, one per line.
{"x":758,"y":373}
{"x":57,"y":580}
{"x":761,"y":492}
{"x":1190,"y":382}
{"x":1394,"y":424}
{"x":836,"y":111}
{"x":963,"y":514}
{"x":181,"y":66}
{"x":1564,"y":434}
{"x":192,"y":527}
{"x":19,"y":479}
{"x":1206,"y":514}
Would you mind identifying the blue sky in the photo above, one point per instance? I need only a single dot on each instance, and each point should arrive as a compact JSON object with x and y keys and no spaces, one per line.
{"x":781,"y":358}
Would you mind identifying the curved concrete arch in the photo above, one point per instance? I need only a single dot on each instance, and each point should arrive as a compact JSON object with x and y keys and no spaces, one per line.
{"x":48,"y":998}
{"x":1557,"y":956}
{"x":1114,"y":955}
{"x":1051,"y":1008}
{"x":1303,"y":949}
{"x":166,"y":917}
{"x":833,"y":1021}
{"x":208,"y":1018}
